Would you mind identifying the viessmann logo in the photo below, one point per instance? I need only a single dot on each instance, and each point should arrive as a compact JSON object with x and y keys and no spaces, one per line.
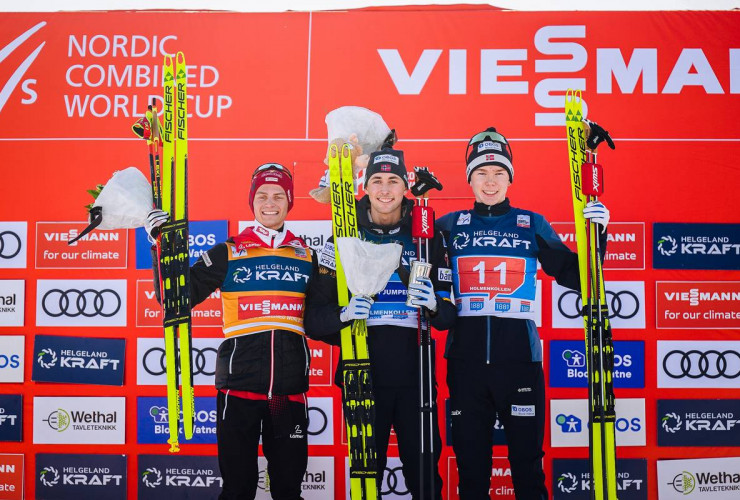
{"x":27,"y":85}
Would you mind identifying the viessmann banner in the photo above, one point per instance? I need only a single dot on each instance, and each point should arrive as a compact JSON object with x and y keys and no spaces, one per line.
{"x":260,"y":86}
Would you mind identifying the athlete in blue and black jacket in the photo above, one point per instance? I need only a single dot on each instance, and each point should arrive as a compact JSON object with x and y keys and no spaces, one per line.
{"x":494,"y":355}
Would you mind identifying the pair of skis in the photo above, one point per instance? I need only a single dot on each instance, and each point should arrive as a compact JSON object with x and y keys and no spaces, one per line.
{"x":168,"y":162}
{"x":357,"y":393}
{"x":586,"y":185}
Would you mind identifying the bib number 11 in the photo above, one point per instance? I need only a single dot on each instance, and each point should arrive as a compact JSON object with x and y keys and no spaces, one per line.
{"x":481,"y":268}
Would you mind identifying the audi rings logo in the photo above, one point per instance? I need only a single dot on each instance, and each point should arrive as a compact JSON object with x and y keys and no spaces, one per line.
{"x":204,"y":361}
{"x":393,"y":482}
{"x":88,"y":303}
{"x":697,"y":364}
{"x":10,"y":244}
{"x":671,"y":422}
{"x":667,"y":245}
{"x":623,"y":304}
{"x":317,"y":421}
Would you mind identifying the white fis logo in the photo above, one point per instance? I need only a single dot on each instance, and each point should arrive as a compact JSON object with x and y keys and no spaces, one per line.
{"x":17,"y":75}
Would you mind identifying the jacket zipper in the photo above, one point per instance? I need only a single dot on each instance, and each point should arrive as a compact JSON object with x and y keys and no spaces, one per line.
{"x":272,"y":363}
{"x":488,"y":340}
{"x":305,"y":349}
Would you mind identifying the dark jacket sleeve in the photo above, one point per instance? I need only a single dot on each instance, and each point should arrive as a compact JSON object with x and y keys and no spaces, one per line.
{"x":558,"y":260}
{"x":208,"y":273}
{"x":446,"y":313}
{"x":321,"y":317}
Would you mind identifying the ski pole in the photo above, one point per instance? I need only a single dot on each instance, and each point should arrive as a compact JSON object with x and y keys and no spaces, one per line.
{"x":423,"y":229}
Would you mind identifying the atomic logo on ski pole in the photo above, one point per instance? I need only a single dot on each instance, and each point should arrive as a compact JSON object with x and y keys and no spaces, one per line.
{"x":663,"y":247}
{"x":17,"y":75}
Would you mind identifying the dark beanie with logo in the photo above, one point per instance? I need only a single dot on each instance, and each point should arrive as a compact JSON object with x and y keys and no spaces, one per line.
{"x":388,"y":161}
{"x":489,"y":148}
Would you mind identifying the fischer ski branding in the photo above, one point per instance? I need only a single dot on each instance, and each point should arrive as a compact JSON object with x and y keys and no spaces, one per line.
{"x":357,"y":395}
{"x":586,"y":185}
{"x":169,"y":193}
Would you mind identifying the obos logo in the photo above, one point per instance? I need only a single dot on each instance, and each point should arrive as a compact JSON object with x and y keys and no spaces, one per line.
{"x":568,"y":364}
{"x":12,"y":348}
{"x":81,"y":303}
{"x":698,"y":422}
{"x":202,"y":236}
{"x":152,"y":416}
{"x":569,"y":422}
{"x":624,"y":299}
{"x":572,"y":479}
{"x":13,"y":240}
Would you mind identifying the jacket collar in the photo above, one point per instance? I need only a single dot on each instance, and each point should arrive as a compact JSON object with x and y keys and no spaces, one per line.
{"x":258,"y":235}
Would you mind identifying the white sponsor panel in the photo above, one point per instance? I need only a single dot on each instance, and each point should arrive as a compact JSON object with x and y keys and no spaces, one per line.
{"x":703,"y":478}
{"x":625,"y":300}
{"x":12,"y":302}
{"x":314,"y":232}
{"x":699,"y":364}
{"x":81,"y":303}
{"x":12,"y":348}
{"x":320,"y":421}
{"x":13,"y":245}
{"x":86,"y":420}
{"x":538,"y":304}
{"x":151,"y":361}
{"x":318,"y":480}
{"x":569,"y":422}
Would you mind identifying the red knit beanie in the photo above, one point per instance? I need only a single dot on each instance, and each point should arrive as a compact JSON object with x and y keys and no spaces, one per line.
{"x":272,"y":173}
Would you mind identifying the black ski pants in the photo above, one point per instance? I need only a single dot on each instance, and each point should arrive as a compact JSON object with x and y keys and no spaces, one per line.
{"x":399,"y":407}
{"x":517,"y":392}
{"x":239,"y":424}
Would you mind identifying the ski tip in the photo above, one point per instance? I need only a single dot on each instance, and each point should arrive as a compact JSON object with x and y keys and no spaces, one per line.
{"x":168,"y":59}
{"x":346,"y":147}
{"x":180,"y":58}
{"x":333,"y":151}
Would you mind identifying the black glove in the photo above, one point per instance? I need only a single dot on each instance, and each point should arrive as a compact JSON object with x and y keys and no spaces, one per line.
{"x":597,"y":136}
{"x":425,"y":181}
